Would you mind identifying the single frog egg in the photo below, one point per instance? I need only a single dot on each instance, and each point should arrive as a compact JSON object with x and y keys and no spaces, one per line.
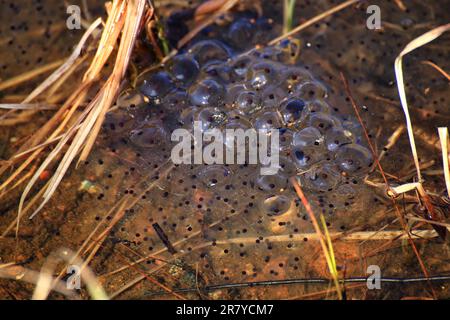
{"x":262,"y":74}
{"x":354,"y":159}
{"x":214,"y":175}
{"x":321,"y":178}
{"x":151,"y":136}
{"x":176,"y":100}
{"x":337,"y":137}
{"x":185,"y":69}
{"x":323,"y":122}
{"x":156,"y":86}
{"x":208,"y":51}
{"x":310,"y":89}
{"x":272,"y":96}
{"x":248,"y":102}
{"x":211,"y":118}
{"x":293,"y":76}
{"x":276,"y":205}
{"x":239,"y":67}
{"x":314,"y":106}
{"x":292,"y":110}
{"x":304,"y":157}
{"x":274,"y":183}
{"x":207,"y":92}
{"x":268,"y":120}
{"x":307,"y":137}
{"x":241,"y":33}
{"x":286,"y":137}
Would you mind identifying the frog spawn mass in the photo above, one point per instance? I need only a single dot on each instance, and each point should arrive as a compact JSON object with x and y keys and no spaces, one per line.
{"x":260,"y":90}
{"x":213,"y":83}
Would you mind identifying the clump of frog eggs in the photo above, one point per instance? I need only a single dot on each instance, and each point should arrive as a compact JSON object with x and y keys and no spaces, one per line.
{"x":261,"y":89}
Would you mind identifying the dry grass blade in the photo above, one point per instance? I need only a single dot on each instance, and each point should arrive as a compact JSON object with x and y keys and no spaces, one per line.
{"x":42,"y":133}
{"x":288,"y":15}
{"x":443,"y":136}
{"x":342,"y":236}
{"x":134,"y":14}
{"x":45,"y":279}
{"x":110,"y":34}
{"x":392,"y":141}
{"x":66,"y":65}
{"x":372,"y":149}
{"x":322,"y":238}
{"x":224,"y":8}
{"x":29,"y":75}
{"x":5,"y":265}
{"x":400,"y":4}
{"x":91,"y":118}
{"x":27,"y":106}
{"x":44,"y":165}
{"x":416,"y":43}
{"x":15,"y":272}
{"x":314,"y":20}
{"x":94,"y":287}
{"x":11,"y":118}
{"x":439,"y":69}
